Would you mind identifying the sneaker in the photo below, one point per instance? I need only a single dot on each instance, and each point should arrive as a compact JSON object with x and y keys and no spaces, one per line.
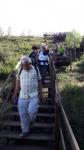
{"x":24,"y":134}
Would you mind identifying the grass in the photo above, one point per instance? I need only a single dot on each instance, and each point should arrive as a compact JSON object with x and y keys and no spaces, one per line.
{"x":11,"y":49}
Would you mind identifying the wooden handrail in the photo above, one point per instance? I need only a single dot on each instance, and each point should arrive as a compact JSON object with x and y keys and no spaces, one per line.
{"x":8,"y":80}
{"x":71,"y":136}
{"x":62,"y":139}
{"x":58,"y":105}
{"x":9,"y":76}
{"x":4,"y":84}
{"x":5,"y":102}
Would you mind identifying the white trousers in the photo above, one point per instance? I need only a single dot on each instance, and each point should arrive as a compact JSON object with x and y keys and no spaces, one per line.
{"x":27,"y":110}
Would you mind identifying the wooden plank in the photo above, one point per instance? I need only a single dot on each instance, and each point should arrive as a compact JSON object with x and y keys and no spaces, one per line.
{"x":38,"y":115}
{"x":31,"y":136}
{"x":70,"y":133}
{"x":37,"y":125}
{"x":22,"y":147}
{"x":43,"y":106}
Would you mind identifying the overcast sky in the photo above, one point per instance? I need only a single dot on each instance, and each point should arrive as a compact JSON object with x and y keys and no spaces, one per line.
{"x":39,"y":16}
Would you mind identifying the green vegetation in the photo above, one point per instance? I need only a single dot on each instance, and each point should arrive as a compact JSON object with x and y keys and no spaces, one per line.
{"x":71,"y":84}
{"x":11,"y":49}
{"x":73,"y":39}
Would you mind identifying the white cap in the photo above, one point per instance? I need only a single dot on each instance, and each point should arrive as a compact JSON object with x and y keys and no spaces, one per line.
{"x":25,"y":59}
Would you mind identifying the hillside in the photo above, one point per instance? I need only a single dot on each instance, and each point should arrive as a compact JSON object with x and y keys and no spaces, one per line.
{"x":11,"y":50}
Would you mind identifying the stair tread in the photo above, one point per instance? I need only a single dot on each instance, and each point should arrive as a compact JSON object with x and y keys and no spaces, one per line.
{"x":20,"y":147}
{"x":41,"y":106}
{"x":46,"y":106}
{"x":47,"y":85}
{"x":31,"y":136}
{"x":38,"y":114}
{"x":17,"y":123}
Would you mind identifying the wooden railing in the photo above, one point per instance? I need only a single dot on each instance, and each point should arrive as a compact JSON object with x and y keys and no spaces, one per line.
{"x":6,"y":91}
{"x":70,"y":133}
{"x":5,"y":95}
{"x":61,"y":117}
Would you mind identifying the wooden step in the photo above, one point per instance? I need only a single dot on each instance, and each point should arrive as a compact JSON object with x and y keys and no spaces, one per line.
{"x":34,"y":128}
{"x":47,"y":108}
{"x":32,"y":136}
{"x":38,"y":114}
{"x":22,"y":147}
{"x":48,"y":78}
{"x":42,"y":108}
{"x":46,"y":102}
{"x":47,"y":85}
{"x":46,"y":99}
{"x":41,"y":117}
{"x":45,"y":115}
{"x":35,"y":125}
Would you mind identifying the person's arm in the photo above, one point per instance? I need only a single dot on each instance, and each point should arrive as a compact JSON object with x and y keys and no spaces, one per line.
{"x":15,"y":95}
{"x":17,"y":87}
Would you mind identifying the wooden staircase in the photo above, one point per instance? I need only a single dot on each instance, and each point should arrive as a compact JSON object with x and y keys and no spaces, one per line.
{"x":41,"y":136}
{"x":47,"y":132}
